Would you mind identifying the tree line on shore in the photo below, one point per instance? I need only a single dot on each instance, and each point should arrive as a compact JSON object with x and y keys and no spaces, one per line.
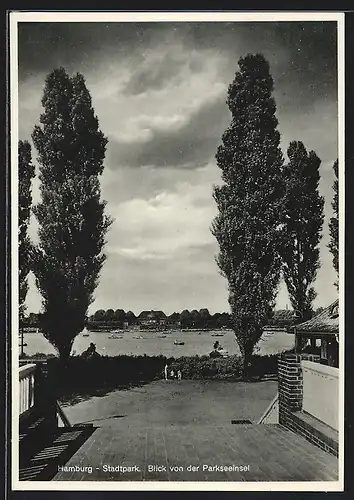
{"x":185,"y":319}
{"x":269,"y":221}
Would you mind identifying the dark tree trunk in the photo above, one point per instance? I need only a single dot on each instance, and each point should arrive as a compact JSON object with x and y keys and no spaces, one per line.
{"x":64,"y":353}
{"x":246,"y":353}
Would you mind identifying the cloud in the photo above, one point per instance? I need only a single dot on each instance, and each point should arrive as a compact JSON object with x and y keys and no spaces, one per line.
{"x":157,"y":70}
{"x":185,"y":141}
{"x":164,"y":225}
{"x":175,"y":124}
{"x":159,"y":91}
{"x":143,"y":128}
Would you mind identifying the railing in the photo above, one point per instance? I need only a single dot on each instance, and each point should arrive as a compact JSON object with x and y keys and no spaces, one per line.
{"x":27,"y":381}
{"x":320,"y":392}
{"x":271,"y":415}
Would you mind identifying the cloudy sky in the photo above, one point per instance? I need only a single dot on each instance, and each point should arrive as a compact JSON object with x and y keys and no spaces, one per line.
{"x":159,"y":91}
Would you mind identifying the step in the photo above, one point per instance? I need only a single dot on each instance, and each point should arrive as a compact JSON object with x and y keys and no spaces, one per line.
{"x":37,"y":427}
{"x":315,"y":431}
{"x":32,"y":472}
{"x":35,"y":418}
{"x":34,"y":437}
{"x":43,"y":465}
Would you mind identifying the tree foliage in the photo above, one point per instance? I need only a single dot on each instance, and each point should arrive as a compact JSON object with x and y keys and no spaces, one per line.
{"x":195,"y":318}
{"x":185,"y":319}
{"x":131,"y":318}
{"x":334,"y":224}
{"x":303,"y":221}
{"x":109,"y":315}
{"x":249,"y":201}
{"x":120,"y":316}
{"x":26,"y":173}
{"x":100,"y":315}
{"x":72,"y":223}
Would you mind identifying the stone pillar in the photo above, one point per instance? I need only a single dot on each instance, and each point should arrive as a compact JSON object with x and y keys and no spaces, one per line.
{"x":289,"y":386}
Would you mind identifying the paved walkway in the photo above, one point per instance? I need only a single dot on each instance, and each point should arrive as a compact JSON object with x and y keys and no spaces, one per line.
{"x":194,"y":453}
{"x":171,"y":431}
{"x":173,"y":402}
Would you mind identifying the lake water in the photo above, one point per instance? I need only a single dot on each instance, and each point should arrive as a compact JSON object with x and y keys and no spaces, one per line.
{"x":194,"y":343}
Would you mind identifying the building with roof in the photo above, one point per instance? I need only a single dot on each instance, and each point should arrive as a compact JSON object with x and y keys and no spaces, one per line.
{"x":281,"y":320}
{"x":309,"y":384}
{"x":152,"y":320}
{"x":323,"y":330}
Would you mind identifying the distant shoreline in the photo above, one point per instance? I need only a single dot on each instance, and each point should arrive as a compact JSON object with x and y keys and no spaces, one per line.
{"x":165,"y":330}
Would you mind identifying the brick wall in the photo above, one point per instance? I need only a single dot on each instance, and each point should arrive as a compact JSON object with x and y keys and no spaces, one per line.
{"x":289,"y":386}
{"x":290,"y":396}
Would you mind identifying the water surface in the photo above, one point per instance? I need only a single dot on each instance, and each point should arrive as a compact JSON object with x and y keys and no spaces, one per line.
{"x":195,"y":342}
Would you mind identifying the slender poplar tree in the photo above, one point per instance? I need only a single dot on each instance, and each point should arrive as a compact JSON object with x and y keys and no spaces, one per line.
{"x":72,"y":223}
{"x":249,"y":202}
{"x":334,"y":225}
{"x":26,"y":173}
{"x":303,"y":221}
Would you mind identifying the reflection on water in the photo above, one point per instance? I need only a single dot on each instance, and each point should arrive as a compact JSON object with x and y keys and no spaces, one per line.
{"x":153,"y":343}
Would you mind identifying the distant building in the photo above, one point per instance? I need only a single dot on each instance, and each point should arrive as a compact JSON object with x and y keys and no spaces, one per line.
{"x":152,"y":320}
{"x":282,"y":318}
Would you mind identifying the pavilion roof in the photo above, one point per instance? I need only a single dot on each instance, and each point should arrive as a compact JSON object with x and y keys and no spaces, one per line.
{"x":327,"y":321}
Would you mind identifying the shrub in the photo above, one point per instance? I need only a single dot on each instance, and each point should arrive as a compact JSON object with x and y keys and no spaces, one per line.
{"x":208,"y":367}
{"x":87,"y":376}
{"x":37,"y":355}
{"x":110,"y":372}
{"x":265,"y":365}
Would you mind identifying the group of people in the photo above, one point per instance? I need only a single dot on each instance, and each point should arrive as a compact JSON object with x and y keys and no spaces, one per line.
{"x":172,"y":375}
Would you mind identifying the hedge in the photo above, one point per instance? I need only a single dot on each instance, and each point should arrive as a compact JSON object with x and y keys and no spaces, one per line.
{"x":103,"y":373}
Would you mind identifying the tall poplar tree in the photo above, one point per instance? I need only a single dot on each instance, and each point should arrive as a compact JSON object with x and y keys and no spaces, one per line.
{"x":303,"y":221}
{"x":334,"y":224}
{"x":72,"y":223}
{"x":249,"y":202}
{"x":26,"y":172}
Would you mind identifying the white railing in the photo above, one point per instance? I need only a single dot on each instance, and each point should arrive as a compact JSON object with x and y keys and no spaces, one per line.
{"x":320,"y":392}
{"x":26,"y":376}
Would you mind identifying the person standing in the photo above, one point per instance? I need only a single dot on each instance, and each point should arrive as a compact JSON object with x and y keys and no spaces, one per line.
{"x":179,"y":375}
{"x":166,"y":372}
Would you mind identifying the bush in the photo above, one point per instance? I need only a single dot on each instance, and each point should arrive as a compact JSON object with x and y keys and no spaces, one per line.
{"x":87,"y":376}
{"x":37,"y":355}
{"x":208,"y":367}
{"x":265,"y":365}
{"x":82,"y":375}
{"x":219,"y":368}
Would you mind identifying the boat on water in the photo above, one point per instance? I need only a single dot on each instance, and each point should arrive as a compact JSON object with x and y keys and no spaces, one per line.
{"x":140,"y":337}
{"x":178,"y":342}
{"x":217,"y":334}
{"x":113,"y":336}
{"x":160,"y":336}
{"x":268,"y":333}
